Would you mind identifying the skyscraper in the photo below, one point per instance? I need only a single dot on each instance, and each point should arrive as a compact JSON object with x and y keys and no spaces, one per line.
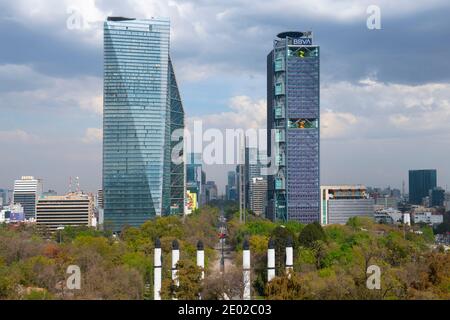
{"x":420,"y":183}
{"x":142,"y":108}
{"x":258,"y":195}
{"x":255,"y":160}
{"x":230,"y":188}
{"x":293,"y":114}
{"x":27,"y":191}
{"x":437,"y":197}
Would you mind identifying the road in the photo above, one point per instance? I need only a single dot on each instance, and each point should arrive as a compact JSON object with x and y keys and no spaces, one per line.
{"x":221,"y":245}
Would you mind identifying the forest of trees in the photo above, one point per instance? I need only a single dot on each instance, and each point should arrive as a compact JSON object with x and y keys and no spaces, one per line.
{"x":329,"y":262}
{"x":32,"y":267}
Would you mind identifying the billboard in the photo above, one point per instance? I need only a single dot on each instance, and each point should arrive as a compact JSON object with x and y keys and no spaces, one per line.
{"x":16,"y":216}
{"x":191,"y":201}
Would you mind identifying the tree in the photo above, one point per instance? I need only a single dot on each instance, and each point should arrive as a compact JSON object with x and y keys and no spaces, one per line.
{"x":285,"y":287}
{"x":310,"y":234}
{"x":281,"y":237}
{"x":189,"y":282}
{"x":224,"y":286}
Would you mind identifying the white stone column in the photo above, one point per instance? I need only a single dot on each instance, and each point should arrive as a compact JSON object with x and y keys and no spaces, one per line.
{"x":175,"y":258}
{"x":289,"y":257}
{"x":157,"y":265}
{"x":246,"y":268}
{"x":201,"y":257}
{"x":271,"y":260}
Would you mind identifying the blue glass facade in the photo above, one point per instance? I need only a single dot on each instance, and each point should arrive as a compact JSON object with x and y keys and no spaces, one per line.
{"x":142,"y":107}
{"x":293,"y":112}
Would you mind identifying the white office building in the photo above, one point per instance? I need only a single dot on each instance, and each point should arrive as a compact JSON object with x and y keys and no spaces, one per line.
{"x":342,"y":202}
{"x":428,"y":218}
{"x":27,"y":191}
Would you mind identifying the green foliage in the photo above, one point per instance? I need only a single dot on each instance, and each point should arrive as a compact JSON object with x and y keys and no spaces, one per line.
{"x":38,"y":295}
{"x":294,"y":227}
{"x":360,"y":222}
{"x":329,"y":262}
{"x":111,"y":268}
{"x":285,"y":288}
{"x":310,"y":234}
{"x":281,"y":237}
{"x":69,"y":233}
{"x":189,"y":282}
{"x":428,"y":234}
{"x":304,"y":256}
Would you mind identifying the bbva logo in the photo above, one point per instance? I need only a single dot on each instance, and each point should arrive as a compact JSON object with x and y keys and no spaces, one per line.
{"x":302,"y":41}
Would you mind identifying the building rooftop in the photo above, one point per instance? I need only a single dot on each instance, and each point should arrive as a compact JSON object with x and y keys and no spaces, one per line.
{"x":294,"y":34}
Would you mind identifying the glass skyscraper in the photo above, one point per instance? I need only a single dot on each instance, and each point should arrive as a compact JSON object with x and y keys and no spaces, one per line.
{"x":420,"y":183}
{"x":293,"y":113}
{"x":142,"y":107}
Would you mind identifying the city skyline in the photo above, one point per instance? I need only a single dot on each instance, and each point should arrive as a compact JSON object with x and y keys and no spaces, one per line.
{"x":53,"y":102}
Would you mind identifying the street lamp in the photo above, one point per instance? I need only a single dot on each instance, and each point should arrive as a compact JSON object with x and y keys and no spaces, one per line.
{"x":60,"y":228}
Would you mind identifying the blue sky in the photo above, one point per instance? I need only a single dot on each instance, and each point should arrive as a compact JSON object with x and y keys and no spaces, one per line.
{"x":385,"y":94}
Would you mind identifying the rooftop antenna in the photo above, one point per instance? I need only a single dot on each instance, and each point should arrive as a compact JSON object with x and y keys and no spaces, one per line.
{"x":403,"y":188}
{"x":70,"y":184}
{"x":78,"y":184}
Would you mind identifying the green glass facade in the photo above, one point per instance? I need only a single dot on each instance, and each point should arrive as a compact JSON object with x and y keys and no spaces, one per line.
{"x":142,"y":107}
{"x":420,"y":183}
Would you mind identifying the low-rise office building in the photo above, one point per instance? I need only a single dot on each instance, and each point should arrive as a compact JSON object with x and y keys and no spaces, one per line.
{"x":73,"y":209}
{"x":388,"y":216}
{"x":342,"y":202}
{"x":428,"y":218}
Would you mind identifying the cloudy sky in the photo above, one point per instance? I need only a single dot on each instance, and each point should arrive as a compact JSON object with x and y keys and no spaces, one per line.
{"x":385,"y":94}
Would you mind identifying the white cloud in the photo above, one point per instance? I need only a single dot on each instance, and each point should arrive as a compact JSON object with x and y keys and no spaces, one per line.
{"x":387,"y":110}
{"x":18,"y":135}
{"x":26,"y":88}
{"x":243,"y":113}
{"x":337,"y":125}
{"x":93,"y":135}
{"x":368,"y":109}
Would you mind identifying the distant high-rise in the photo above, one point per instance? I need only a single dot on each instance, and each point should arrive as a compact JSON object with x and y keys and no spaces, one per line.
{"x":293,"y":114}
{"x":3,"y":197}
{"x":420,"y":183}
{"x":211,"y":191}
{"x":194,"y":176}
{"x":142,"y":108}
{"x":27,"y":191}
{"x":255,"y":161}
{"x":258,"y":195}
{"x":437,"y":197}
{"x":231,"y":187}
